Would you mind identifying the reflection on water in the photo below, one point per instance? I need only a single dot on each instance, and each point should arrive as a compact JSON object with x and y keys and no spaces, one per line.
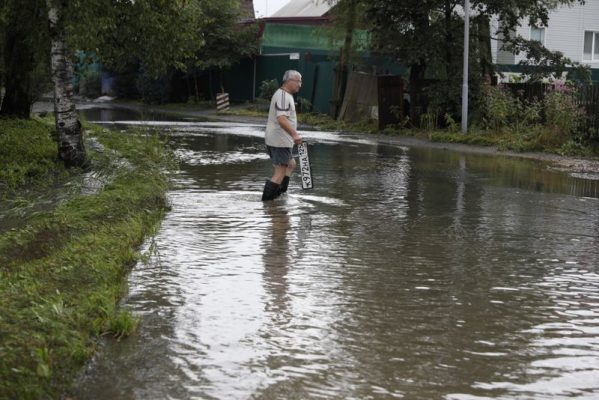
{"x":405,"y":273}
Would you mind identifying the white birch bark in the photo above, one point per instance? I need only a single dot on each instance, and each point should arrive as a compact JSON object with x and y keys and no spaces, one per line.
{"x":70,"y":140}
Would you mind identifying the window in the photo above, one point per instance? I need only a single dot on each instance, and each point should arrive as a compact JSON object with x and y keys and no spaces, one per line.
{"x":537,"y":34}
{"x":591,"y":46}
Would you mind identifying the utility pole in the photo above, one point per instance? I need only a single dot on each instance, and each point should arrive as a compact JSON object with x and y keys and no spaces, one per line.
{"x":465,"y":75}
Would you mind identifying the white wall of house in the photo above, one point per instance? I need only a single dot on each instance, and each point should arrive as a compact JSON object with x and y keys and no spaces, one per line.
{"x":565,"y":32}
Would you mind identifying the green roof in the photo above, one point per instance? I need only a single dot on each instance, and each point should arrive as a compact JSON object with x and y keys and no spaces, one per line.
{"x":303,"y":37}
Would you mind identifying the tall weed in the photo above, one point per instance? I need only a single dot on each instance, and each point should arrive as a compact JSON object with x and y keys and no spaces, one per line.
{"x":562,"y":113}
{"x":495,"y":107}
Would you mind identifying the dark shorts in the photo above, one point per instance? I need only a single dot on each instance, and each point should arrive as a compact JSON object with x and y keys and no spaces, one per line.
{"x":279,"y":155}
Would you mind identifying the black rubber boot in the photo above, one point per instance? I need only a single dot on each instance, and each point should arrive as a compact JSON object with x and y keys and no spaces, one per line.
{"x":284,"y":185}
{"x":271,"y":191}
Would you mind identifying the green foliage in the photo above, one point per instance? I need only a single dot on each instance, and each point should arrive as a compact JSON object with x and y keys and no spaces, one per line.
{"x":426,"y":37}
{"x":495,"y":107}
{"x":126,"y":84}
{"x":562,"y":113}
{"x":525,"y":114}
{"x":541,"y":62}
{"x":153,"y":34}
{"x":27,"y":153}
{"x":154,"y":91}
{"x":472,"y":139}
{"x":226,"y":41}
{"x":428,"y":120}
{"x":304,"y":105}
{"x":510,"y":125}
{"x":347,"y":17}
{"x":452,"y":126}
{"x":499,"y":109}
{"x":575,"y":148}
{"x":122,"y":324}
{"x":24,"y":55}
{"x":61,"y":276}
{"x":90,"y":84}
{"x":325,"y":122}
{"x":268,"y":88}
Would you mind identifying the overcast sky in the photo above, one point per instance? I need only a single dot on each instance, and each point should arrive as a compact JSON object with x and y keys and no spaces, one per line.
{"x":265,"y":8}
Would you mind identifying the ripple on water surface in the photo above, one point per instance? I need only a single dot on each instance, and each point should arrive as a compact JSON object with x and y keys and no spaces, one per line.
{"x":405,"y":273}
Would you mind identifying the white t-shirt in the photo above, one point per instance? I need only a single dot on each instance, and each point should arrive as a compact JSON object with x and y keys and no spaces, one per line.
{"x":281,"y":104}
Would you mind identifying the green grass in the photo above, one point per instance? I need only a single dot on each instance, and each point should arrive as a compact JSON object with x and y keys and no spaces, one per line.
{"x":533,"y":139}
{"x":62,"y":275}
{"x":27,"y":153}
{"x":325,"y":122}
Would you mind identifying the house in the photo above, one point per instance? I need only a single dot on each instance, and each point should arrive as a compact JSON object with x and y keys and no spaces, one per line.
{"x":572,"y":30}
{"x":295,"y":37}
{"x":303,"y":12}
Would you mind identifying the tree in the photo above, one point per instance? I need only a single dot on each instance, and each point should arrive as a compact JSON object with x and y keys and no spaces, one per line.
{"x":226,"y":39}
{"x":68,"y":128}
{"x":154,"y":34}
{"x":24,"y":55}
{"x":426,"y":37}
{"x":157,"y":34}
{"x":347,"y":15}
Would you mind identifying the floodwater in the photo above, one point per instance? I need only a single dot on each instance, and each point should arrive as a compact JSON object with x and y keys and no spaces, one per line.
{"x":405,"y":273}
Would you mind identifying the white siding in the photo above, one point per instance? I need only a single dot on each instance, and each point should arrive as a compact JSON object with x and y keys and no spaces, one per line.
{"x":565,"y":32}
{"x":590,"y":22}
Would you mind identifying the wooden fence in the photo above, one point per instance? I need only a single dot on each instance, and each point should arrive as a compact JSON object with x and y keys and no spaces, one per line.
{"x":587,"y":97}
{"x":369,"y":96}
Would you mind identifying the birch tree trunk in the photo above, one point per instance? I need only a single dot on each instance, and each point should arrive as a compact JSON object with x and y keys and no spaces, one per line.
{"x":68,"y":127}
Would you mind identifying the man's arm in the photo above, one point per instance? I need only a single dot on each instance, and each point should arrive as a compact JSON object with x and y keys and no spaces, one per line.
{"x":286,"y":125}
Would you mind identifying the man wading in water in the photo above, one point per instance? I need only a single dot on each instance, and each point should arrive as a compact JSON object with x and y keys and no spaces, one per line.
{"x":281,"y":135}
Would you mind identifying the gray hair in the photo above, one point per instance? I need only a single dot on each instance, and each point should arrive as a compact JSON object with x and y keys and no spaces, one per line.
{"x":289,"y":74}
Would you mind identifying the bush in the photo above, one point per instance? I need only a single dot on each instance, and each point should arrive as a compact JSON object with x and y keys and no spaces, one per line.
{"x":562,"y":113}
{"x":495,"y":107}
{"x":125,"y":85}
{"x":90,"y":85}
{"x":268,"y":89}
{"x":524,"y":115}
{"x":428,"y":120}
{"x":154,"y":91}
{"x":304,"y":105}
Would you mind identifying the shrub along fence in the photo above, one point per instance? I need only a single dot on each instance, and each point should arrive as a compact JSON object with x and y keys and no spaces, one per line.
{"x":586,"y":97}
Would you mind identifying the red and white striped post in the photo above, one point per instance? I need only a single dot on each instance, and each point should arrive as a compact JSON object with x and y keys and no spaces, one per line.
{"x":222,"y":102}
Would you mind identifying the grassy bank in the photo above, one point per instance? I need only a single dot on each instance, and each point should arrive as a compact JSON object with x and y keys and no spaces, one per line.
{"x":62,"y":276}
{"x":27,"y":153}
{"x":533,"y":137}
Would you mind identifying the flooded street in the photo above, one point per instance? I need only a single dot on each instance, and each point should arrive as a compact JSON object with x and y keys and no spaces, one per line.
{"x":412,"y":273}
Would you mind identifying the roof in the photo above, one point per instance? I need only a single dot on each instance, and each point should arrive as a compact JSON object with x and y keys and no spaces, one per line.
{"x":304,"y":8}
{"x":278,"y":38}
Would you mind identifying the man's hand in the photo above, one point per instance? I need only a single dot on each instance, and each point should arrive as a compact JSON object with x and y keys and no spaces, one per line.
{"x":297,"y":139}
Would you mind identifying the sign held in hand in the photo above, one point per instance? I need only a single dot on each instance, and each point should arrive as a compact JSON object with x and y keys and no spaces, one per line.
{"x":304,"y":161}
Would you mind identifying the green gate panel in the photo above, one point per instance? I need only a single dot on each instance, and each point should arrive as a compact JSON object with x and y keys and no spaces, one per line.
{"x":239,"y":79}
{"x":323,"y":92}
{"x":317,"y":77}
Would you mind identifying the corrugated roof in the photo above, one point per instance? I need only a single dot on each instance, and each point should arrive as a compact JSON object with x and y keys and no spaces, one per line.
{"x":303,"y":8}
{"x":296,"y":37}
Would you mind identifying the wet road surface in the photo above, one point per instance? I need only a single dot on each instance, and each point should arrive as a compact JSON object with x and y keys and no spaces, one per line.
{"x":405,"y":273}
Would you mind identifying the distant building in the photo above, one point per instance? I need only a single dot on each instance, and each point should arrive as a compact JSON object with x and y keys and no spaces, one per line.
{"x":572,"y":30}
{"x":305,"y":12}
